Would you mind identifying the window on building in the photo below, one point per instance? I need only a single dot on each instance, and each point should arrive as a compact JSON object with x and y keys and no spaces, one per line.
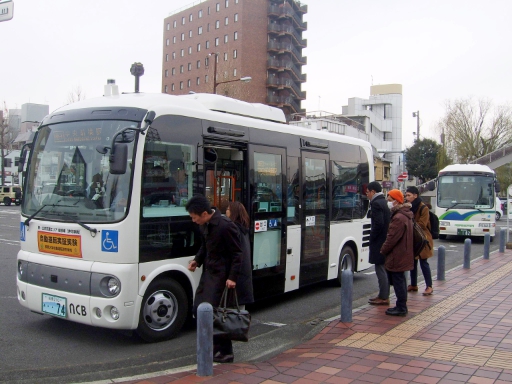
{"x":172,"y":87}
{"x":217,"y":7}
{"x":208,"y":27}
{"x":226,"y":21}
{"x":190,"y":33}
{"x":206,"y":61}
{"x":236,"y":1}
{"x":189,"y":66}
{"x":173,"y":71}
{"x":225,"y":56}
{"x":166,"y":73}
{"x":217,"y":24}
{"x":167,"y":42}
{"x":173,"y":55}
{"x":183,"y":20}
{"x":168,"y":26}
{"x":197,"y":81}
{"x":181,"y":68}
{"x":200,"y":30}
{"x":234,"y":54}
{"x":182,"y":53}
{"x":200,"y":13}
{"x":174,"y":39}
{"x":165,"y":89}
{"x":236,"y":17}
{"x":234,"y":72}
{"x":198,"y":47}
{"x":208,"y":10}
{"x":216,"y":41}
{"x":235,"y":36}
{"x":189,"y":50}
{"x":182,"y":37}
{"x":188,"y":83}
{"x":198,"y":64}
{"x":207,"y":44}
{"x":227,"y":3}
{"x":190,"y":17}
{"x":174,"y":24}
{"x":205,"y":78}
{"x":181,"y":84}
{"x":166,"y":57}
{"x":225,"y":38}
{"x":225,"y":74}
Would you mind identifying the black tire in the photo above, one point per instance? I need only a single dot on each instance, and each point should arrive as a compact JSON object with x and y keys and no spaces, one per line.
{"x":442,"y":237}
{"x":163,"y":311}
{"x":18,"y":203}
{"x":346,"y":262}
{"x":7,"y":201}
{"x":498,"y":216}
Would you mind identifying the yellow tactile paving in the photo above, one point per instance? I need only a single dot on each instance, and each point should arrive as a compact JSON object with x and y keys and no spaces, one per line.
{"x":399,"y":339}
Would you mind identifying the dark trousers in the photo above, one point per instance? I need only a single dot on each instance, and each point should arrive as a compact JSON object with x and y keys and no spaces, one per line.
{"x":400,"y":285}
{"x":425,"y":268}
{"x":222,"y":345}
{"x":382,"y":276}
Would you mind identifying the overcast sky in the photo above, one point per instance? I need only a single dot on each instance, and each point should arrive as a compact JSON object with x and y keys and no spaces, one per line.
{"x":437,"y":49}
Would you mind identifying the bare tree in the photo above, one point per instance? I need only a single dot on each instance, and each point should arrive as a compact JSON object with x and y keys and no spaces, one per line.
{"x":4,"y":138}
{"x":473,"y":129}
{"x":76,"y":94}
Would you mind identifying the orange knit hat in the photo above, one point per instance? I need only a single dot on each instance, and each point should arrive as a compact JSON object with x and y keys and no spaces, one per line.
{"x":397,"y":195}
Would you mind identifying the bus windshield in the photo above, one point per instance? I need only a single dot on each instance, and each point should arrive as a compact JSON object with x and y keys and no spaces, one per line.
{"x":69,"y":179}
{"x":465,"y":192}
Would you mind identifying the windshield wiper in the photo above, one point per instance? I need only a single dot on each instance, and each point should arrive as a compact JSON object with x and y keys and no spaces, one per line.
{"x":27,"y":222}
{"x":75,"y":220}
{"x":453,"y":206}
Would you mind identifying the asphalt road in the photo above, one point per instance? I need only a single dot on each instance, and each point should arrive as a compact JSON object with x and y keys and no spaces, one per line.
{"x":36,"y":348}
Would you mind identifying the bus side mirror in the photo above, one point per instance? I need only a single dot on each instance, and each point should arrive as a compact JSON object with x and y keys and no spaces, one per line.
{"x":23,"y":156}
{"x":431,"y":185}
{"x":497,"y":187}
{"x":118,"y":159}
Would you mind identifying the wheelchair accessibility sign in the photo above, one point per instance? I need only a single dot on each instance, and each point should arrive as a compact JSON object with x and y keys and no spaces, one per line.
{"x":109,"y":241}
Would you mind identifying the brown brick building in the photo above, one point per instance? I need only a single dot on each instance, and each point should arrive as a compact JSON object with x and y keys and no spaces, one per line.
{"x":261,"y":39}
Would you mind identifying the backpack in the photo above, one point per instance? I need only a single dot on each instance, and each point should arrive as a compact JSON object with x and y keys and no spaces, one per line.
{"x":434,"y":224}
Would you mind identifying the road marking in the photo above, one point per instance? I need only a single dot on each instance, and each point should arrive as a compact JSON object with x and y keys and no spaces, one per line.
{"x":272,"y":324}
{"x":370,"y":273}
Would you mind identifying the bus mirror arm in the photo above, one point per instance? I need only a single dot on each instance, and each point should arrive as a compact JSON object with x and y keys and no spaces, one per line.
{"x":150,"y":116}
{"x":23,"y":155}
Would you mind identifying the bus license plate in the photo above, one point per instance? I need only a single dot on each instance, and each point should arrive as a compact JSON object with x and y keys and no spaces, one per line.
{"x":463,"y":232}
{"x":54,"y":305}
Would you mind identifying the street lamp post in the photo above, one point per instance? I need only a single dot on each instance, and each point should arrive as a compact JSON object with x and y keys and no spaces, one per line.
{"x":215,"y":55}
{"x":417,"y":116}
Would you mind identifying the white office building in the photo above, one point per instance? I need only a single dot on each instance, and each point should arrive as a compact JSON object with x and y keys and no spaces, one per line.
{"x":377,"y":119}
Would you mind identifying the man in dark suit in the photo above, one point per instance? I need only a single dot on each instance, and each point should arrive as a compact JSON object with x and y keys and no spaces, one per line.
{"x":380,"y":216}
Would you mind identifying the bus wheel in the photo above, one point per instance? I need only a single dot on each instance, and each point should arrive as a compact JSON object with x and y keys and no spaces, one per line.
{"x":442,"y":237}
{"x":163,"y":311}
{"x":7,"y":201}
{"x":347,"y":262}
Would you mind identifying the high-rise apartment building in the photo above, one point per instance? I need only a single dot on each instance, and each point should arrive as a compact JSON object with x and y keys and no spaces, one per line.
{"x":214,"y":45}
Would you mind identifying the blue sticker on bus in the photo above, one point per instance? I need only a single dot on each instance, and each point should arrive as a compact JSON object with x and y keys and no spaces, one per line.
{"x":22,"y":231}
{"x":109,"y":241}
{"x":272,"y":223}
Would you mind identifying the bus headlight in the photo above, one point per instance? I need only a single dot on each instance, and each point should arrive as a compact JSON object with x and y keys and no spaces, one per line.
{"x":444,"y":223}
{"x":22,"y":270}
{"x":114,"y":286}
{"x":114,"y":312}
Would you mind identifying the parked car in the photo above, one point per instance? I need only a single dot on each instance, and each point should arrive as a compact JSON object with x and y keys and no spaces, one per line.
{"x":10,"y":194}
{"x":499,"y":208}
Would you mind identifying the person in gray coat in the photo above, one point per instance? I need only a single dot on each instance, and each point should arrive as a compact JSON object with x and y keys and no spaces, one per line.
{"x":221,"y":256}
{"x":380,"y":216}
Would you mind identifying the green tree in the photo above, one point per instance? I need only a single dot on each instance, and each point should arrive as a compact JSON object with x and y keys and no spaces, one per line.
{"x":421,"y":159}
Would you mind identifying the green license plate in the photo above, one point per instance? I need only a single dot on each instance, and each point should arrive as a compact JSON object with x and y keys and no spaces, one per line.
{"x":54,"y":305}
{"x":463,"y":232}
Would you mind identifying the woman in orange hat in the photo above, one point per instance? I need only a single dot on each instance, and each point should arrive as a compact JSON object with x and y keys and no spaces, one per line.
{"x":398,"y":249}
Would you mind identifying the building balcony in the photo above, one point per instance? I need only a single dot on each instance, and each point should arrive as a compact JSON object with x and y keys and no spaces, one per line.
{"x":285,"y":12}
{"x":302,"y":77}
{"x":279,"y":65}
{"x":276,"y":82}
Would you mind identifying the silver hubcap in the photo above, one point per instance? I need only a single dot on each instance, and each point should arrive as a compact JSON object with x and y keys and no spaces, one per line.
{"x":160,"y":310}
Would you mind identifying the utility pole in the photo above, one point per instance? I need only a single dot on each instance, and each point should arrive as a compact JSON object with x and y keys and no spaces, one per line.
{"x":417,"y":116}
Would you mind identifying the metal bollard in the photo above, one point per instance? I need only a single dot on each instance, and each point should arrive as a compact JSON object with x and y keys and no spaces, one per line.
{"x":204,"y":340}
{"x":503,"y":239}
{"x":487,"y":245}
{"x":347,"y":285}
{"x":441,"y":263}
{"x":467,"y":254}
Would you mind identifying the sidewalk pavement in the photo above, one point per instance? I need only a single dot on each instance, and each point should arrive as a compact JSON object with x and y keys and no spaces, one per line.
{"x":462,"y":333}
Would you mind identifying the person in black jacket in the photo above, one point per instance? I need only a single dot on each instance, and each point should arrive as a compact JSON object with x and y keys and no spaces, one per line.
{"x":221,"y":256}
{"x":380,"y":216}
{"x":237,"y":213}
